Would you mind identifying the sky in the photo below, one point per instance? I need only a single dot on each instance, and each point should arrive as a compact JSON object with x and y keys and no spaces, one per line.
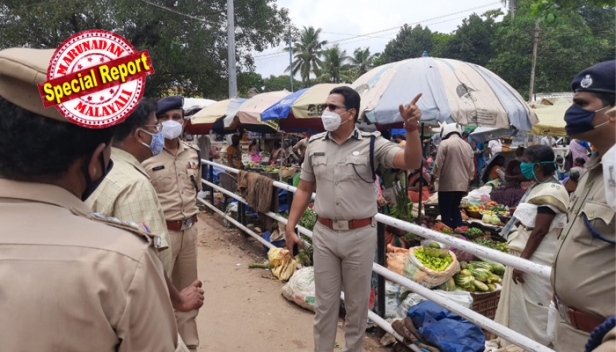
{"x":355,"y":22}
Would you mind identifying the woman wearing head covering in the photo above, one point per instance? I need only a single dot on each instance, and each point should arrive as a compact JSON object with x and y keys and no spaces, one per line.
{"x":510,"y":192}
{"x":532,"y":234}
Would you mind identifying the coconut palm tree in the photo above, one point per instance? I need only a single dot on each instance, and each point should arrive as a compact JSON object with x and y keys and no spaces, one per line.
{"x":362,"y":60}
{"x":307,"y":52}
{"x":334,"y":64}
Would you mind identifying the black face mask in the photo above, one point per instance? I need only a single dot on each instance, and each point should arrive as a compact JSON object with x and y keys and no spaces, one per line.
{"x":92,"y":185}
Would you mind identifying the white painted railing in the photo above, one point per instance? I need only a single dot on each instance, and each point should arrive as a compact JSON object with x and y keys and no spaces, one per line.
{"x":478,"y":319}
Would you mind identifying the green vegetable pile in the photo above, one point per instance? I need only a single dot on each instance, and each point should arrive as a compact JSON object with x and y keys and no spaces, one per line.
{"x":478,"y":276}
{"x":308,"y":219}
{"x":499,"y":246}
{"x":473,"y":231}
{"x":432,"y":262}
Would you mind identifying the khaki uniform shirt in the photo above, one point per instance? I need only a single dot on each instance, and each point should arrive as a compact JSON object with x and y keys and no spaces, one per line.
{"x":176,"y":179}
{"x":454,"y":167}
{"x":127,"y":194}
{"x":73,"y":284}
{"x":341,"y":193}
{"x":584,"y":270}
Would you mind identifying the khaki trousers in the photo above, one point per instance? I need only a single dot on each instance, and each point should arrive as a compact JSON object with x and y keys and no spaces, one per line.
{"x":568,"y":338}
{"x":184,"y":247}
{"x":342,"y":261}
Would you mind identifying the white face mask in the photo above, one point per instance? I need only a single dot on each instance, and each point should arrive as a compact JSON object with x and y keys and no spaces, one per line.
{"x":172,"y":129}
{"x":331,"y":120}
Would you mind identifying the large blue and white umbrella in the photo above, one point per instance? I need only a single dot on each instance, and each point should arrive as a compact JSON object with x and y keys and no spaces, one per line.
{"x":453,"y":91}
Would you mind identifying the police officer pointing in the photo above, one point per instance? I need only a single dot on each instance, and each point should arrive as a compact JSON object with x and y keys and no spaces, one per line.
{"x":583,"y":277}
{"x":339,"y":164}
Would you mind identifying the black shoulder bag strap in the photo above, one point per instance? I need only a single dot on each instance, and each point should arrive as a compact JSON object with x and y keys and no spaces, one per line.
{"x":372,"y":140}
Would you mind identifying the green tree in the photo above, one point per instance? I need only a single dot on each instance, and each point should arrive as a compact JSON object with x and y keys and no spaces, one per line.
{"x":410,"y":42}
{"x":189,"y":53}
{"x":472,"y":41}
{"x":567,"y":45}
{"x":362,"y":60}
{"x":247,"y":80}
{"x":334,"y":66}
{"x":307,"y":52}
{"x":276,"y":83}
{"x":441,"y":41}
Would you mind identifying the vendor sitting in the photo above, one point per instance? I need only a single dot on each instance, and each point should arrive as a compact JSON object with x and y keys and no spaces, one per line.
{"x":277,"y":153}
{"x":253,"y":151}
{"x":510,"y":192}
{"x":494,"y":173}
{"x":419,"y":181}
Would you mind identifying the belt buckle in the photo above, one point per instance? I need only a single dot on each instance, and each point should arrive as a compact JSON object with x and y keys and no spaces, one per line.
{"x":186,"y":224}
{"x":340,"y":225}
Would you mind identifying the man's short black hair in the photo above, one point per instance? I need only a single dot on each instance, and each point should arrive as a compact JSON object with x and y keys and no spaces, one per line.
{"x":542,"y":153}
{"x":138,"y":118}
{"x":351,"y":98}
{"x":33,"y":146}
{"x":607,"y":99}
{"x":580,"y":161}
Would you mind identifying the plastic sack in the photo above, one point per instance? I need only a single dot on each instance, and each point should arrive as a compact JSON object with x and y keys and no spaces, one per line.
{"x":463,"y":298}
{"x":300,"y":288}
{"x":479,"y":195}
{"x":394,"y":296}
{"x":446,"y":330}
{"x":397,"y":258}
{"x":414,"y":270}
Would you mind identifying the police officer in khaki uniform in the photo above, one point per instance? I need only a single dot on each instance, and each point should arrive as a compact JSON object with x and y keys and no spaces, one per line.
{"x":175,"y":173}
{"x":72,"y":281}
{"x":583,"y":277}
{"x":339,"y":165}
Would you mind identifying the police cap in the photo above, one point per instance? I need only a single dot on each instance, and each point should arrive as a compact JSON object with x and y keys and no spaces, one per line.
{"x":598,"y":78}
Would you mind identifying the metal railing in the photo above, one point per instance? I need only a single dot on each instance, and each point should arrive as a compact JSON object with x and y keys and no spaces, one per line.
{"x":384,"y":273}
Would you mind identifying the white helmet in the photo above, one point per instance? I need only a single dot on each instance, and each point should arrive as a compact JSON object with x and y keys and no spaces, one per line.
{"x":447,"y":129}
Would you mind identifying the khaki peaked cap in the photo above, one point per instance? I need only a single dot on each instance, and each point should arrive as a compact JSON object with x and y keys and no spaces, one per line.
{"x":21,"y":70}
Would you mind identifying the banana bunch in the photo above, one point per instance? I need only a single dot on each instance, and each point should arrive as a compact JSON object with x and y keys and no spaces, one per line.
{"x":283,"y":265}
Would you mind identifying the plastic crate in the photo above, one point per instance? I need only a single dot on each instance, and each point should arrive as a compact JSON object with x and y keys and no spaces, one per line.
{"x":432,"y":210}
{"x":486,"y":303}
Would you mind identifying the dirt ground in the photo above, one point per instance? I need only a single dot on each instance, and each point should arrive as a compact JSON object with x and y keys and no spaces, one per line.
{"x":244,"y":310}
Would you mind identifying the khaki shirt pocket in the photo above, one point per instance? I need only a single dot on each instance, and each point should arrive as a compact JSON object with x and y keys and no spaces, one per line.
{"x":600,"y":218}
{"x":187,"y":183}
{"x":357,"y":165}
{"x":162,"y":184}
{"x":319,"y":167}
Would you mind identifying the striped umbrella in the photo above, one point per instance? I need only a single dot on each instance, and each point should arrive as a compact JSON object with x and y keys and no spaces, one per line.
{"x":453,"y":91}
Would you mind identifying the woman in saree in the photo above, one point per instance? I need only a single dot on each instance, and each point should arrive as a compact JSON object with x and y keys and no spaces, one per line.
{"x":536,"y":224}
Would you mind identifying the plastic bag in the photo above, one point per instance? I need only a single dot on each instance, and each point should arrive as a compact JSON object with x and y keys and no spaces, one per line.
{"x":446,"y":330}
{"x":300,"y":288}
{"x":552,"y":321}
{"x":412,"y":299}
{"x":427,"y":277}
{"x":393,"y":299}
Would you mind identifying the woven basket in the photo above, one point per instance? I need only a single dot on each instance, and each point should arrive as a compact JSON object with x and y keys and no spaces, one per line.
{"x":486,"y":303}
{"x":287,"y":173}
{"x":473,"y":214}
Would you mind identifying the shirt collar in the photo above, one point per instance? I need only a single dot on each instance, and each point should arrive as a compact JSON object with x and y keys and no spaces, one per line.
{"x":41,"y":193}
{"x":119,"y":155}
{"x":356,"y":134}
{"x":180,"y":148}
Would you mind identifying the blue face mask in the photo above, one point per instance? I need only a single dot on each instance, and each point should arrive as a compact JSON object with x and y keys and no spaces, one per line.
{"x":528,"y":169}
{"x":157,"y":143}
{"x":580,"y":120}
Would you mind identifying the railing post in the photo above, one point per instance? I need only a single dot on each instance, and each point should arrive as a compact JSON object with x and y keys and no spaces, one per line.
{"x":380,"y":250}
{"x":211,"y":179}
{"x":290,"y":195}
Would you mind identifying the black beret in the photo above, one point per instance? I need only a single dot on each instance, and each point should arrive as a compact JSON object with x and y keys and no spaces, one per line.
{"x":600,"y":78}
{"x":170,"y":103}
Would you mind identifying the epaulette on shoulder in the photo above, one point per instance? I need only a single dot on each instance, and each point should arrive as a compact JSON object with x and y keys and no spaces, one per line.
{"x":192,"y":146}
{"x":317,"y":136}
{"x":368,"y":134}
{"x":129,"y":226}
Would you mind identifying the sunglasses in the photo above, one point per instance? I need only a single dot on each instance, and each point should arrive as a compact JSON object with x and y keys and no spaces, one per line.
{"x":332,"y":107}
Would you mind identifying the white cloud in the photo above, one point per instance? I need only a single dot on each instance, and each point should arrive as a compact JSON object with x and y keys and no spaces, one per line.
{"x":360,"y":17}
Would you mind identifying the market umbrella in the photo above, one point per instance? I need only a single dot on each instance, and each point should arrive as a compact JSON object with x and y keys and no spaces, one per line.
{"x":551,"y":118}
{"x":196,"y":102}
{"x":484,"y":134}
{"x":214,"y":111}
{"x":453,"y":91}
{"x":249,"y":112}
{"x":301,"y":110}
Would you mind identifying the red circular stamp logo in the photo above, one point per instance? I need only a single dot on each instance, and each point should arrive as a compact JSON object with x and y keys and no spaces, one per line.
{"x":96,"y":78}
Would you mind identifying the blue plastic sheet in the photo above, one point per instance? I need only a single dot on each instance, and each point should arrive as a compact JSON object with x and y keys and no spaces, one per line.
{"x":446,"y":330}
